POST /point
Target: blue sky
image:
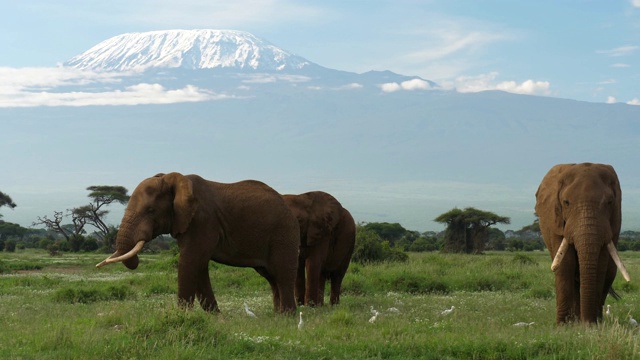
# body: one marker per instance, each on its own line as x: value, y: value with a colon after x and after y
x: 584, y: 50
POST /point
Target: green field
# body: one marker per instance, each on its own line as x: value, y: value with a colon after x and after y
x: 64, y: 308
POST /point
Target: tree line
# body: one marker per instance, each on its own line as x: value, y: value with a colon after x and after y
x: 466, y: 230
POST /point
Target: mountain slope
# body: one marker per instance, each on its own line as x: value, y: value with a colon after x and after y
x: 188, y: 49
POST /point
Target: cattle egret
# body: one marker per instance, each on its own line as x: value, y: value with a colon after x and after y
x: 301, y: 322
x: 632, y: 321
x: 523, y: 324
x: 448, y: 311
x: 608, y: 312
x: 374, y: 317
x: 393, y: 310
x: 372, y: 310
x: 248, y: 311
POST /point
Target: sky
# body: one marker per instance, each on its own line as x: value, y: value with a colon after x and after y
x: 581, y: 50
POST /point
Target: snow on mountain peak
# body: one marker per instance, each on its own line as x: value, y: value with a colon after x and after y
x: 188, y: 49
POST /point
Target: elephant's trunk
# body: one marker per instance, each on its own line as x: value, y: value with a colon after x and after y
x: 590, y: 239
x: 126, y: 247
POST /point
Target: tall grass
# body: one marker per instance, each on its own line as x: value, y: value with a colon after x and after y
x: 70, y: 310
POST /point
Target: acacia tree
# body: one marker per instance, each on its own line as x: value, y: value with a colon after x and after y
x: 94, y: 213
x: 55, y: 224
x: 467, y: 230
x: 455, y: 236
x: 5, y: 200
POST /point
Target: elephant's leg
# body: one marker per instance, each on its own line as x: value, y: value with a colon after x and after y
x: 321, y: 285
x: 336, y: 286
x: 274, y: 287
x: 204, y: 293
x: 313, y: 269
x: 567, y: 289
x: 190, y: 280
x: 300, y: 281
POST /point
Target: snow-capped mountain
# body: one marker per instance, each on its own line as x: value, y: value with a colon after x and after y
x: 187, y: 49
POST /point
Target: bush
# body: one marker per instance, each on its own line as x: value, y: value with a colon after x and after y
x: 371, y: 248
x: 10, y: 246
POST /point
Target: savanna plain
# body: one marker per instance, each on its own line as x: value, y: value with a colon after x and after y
x: 62, y: 307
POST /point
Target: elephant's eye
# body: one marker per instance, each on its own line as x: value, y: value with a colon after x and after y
x: 150, y: 210
x: 566, y: 202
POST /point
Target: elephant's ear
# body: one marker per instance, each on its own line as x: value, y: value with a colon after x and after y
x: 185, y: 203
x: 616, y: 214
x: 548, y: 203
x: 324, y: 216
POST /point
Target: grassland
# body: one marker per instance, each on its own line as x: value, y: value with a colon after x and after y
x: 64, y: 308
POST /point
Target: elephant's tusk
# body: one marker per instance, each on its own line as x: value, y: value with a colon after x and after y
x: 614, y: 254
x: 133, y: 252
x: 560, y: 254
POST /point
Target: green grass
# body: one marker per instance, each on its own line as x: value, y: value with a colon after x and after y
x: 65, y: 308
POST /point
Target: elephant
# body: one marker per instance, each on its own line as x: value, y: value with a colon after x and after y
x: 327, y: 240
x: 244, y: 224
x: 579, y: 209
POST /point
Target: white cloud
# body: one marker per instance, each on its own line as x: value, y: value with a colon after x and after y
x: 391, y: 87
x: 620, y: 65
x: 488, y: 81
x: 29, y: 87
x: 635, y: 3
x: 413, y: 84
x: 351, y: 86
x: 635, y: 101
x: 620, y: 51
x: 611, y: 100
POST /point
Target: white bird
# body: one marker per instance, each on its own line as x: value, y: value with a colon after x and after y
x: 301, y: 322
x: 393, y: 310
x: 448, y: 311
x: 374, y: 317
x: 608, y: 312
x: 248, y: 311
x: 372, y: 310
x: 523, y: 324
x: 632, y: 321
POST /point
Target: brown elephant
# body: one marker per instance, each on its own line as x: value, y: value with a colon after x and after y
x: 245, y: 224
x: 327, y: 239
x: 579, y: 210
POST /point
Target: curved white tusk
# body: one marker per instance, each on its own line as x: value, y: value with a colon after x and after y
x: 560, y: 254
x: 614, y: 254
x: 133, y: 252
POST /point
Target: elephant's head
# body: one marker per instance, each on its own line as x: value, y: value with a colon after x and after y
x: 580, y: 204
x: 161, y: 204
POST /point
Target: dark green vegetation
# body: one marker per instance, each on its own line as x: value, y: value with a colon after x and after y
x: 63, y: 308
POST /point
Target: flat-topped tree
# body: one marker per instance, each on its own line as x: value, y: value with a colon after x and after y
x: 467, y: 230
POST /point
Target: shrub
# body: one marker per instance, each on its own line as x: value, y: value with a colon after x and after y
x: 10, y: 246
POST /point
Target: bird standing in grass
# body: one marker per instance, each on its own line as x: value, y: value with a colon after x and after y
x: 632, y: 321
x: 608, y: 312
x: 448, y: 311
x: 301, y: 322
x: 374, y: 317
x: 523, y: 324
x: 248, y: 311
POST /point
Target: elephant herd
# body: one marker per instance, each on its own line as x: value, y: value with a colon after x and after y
x: 298, y: 242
